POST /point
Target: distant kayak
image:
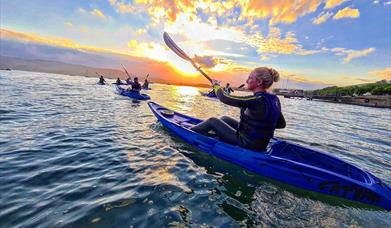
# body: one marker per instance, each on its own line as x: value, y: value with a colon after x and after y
x: 211, y: 95
x: 115, y: 83
x: 101, y: 83
x: 286, y: 162
x: 131, y: 94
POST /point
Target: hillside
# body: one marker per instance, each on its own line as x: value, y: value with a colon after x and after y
x: 382, y: 87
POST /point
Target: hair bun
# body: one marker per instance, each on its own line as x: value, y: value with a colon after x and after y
x: 274, y: 74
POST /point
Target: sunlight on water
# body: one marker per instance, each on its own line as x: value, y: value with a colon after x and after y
x: 186, y: 91
x: 184, y: 97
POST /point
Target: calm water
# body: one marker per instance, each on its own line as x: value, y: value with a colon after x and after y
x: 75, y: 153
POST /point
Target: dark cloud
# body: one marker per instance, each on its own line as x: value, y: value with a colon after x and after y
x: 206, y: 61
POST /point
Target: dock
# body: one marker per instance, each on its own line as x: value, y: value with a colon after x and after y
x: 369, y: 101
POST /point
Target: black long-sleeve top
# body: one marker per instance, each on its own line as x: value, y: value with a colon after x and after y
x: 255, y: 107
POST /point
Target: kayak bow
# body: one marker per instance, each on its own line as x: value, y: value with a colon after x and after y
x: 286, y: 162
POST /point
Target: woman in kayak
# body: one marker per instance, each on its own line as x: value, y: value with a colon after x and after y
x: 146, y: 84
x: 260, y: 113
x: 101, y: 80
x: 136, y: 87
x: 119, y: 82
x: 228, y: 89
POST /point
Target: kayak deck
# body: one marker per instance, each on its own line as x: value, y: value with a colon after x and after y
x: 286, y: 162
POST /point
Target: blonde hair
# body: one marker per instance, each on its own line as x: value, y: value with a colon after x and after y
x: 267, y: 76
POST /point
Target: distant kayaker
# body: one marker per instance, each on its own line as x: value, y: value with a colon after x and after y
x: 129, y: 80
x: 228, y: 89
x: 260, y: 113
x: 136, y: 87
x: 119, y: 82
x: 101, y: 80
x: 146, y: 84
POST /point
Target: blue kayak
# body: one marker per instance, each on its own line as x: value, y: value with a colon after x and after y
x: 131, y: 94
x: 286, y: 162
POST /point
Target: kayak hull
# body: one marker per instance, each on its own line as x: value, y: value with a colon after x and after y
x: 134, y: 95
x: 286, y: 162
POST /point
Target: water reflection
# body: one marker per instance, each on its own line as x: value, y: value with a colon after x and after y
x: 156, y: 170
x: 185, y: 97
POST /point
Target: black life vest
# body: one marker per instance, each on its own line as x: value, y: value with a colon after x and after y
x: 254, y: 127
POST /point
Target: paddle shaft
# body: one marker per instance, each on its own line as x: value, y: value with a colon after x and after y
x: 126, y: 71
x: 175, y: 48
x: 201, y: 71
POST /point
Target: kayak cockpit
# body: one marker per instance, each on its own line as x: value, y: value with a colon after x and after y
x: 292, y: 152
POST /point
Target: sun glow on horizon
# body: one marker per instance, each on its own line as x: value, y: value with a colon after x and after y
x: 185, y: 69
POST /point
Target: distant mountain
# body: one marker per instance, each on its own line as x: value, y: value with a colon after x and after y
x: 56, y: 67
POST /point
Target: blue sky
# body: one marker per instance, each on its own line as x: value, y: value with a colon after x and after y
x: 324, y: 42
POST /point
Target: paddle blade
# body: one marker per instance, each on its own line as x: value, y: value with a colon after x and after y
x: 172, y: 45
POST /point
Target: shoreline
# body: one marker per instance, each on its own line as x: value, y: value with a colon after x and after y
x: 365, y: 101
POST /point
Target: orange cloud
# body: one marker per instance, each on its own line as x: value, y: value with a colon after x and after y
x: 333, y: 3
x: 94, y: 12
x: 347, y: 12
x: 352, y: 54
x: 121, y: 7
x: 381, y: 74
x: 141, y: 31
x: 167, y: 9
x: 323, y: 17
x: 281, y: 11
x: 98, y: 13
x: 275, y: 44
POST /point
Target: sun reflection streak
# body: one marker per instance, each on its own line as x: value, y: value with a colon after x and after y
x: 153, y: 175
x: 185, y: 97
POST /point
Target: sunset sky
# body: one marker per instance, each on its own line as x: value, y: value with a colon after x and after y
x: 329, y: 42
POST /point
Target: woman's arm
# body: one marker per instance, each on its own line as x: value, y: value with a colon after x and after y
x: 232, y: 100
x: 281, y: 122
